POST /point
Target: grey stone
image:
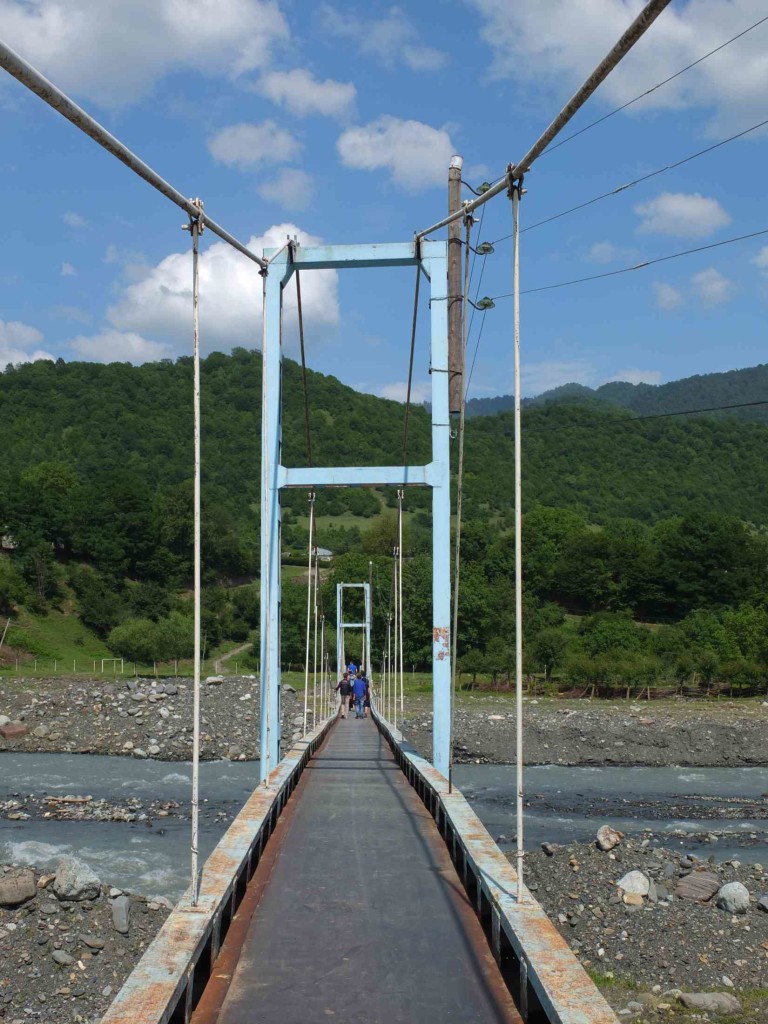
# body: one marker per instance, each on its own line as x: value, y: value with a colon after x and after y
x: 138, y: 752
x: 17, y: 887
x: 635, y: 882
x: 699, y: 885
x: 171, y: 689
x: 4, y: 719
x: 608, y: 837
x: 63, y: 958
x: 40, y: 732
x: 711, y: 1002
x: 287, y: 688
x: 733, y: 898
x: 762, y: 903
x: 92, y: 942
x: 76, y: 881
x: 121, y: 912
x: 153, y: 749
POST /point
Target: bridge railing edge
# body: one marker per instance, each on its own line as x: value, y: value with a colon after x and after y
x: 546, y: 980
x: 166, y: 984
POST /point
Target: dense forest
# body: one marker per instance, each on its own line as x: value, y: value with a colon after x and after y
x: 703, y: 391
x: 645, y: 544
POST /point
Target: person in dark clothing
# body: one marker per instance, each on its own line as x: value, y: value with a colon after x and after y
x: 367, y: 700
x: 359, y: 690
x: 344, y: 689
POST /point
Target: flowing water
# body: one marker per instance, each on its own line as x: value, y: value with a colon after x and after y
x: 566, y: 804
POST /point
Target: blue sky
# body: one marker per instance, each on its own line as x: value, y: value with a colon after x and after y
x: 337, y: 121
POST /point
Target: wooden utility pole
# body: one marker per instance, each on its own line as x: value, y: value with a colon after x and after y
x: 455, y: 355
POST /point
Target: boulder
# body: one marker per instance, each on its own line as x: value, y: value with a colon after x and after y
x: 608, y: 837
x: 4, y: 719
x: 17, y: 887
x: 762, y: 903
x: 214, y: 680
x: 76, y: 881
x: 13, y: 730
x: 699, y: 885
x: 711, y: 1002
x: 635, y: 882
x: 121, y: 911
x: 733, y: 898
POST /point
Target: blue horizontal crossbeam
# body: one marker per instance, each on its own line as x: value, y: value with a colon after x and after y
x: 355, y: 476
x: 340, y: 257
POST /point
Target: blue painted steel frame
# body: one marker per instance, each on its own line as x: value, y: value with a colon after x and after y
x: 341, y: 625
x: 432, y: 258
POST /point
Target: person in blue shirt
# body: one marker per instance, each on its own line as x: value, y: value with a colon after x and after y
x: 352, y: 669
x: 359, y: 687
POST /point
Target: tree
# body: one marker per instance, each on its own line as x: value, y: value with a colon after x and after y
x: 547, y: 649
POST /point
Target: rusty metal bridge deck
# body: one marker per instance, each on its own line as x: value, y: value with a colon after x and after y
x: 356, y: 912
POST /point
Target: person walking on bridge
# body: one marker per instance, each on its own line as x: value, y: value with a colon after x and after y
x: 344, y: 689
x: 359, y: 687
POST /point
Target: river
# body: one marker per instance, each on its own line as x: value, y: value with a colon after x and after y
x: 565, y: 804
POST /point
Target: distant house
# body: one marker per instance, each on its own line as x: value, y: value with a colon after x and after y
x: 324, y: 554
x: 7, y: 543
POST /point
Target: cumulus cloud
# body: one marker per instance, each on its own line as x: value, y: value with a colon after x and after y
x: 685, y: 215
x: 712, y: 287
x: 292, y: 189
x: 558, y: 42
x: 110, y: 346
x: 398, y: 391
x: 391, y: 40
x: 67, y: 270
x: 666, y: 296
x: 19, y: 343
x: 114, y: 53
x: 303, y: 94
x: 245, y: 146
x: 761, y: 261
x: 73, y: 220
x: 160, y: 305
x: 415, y: 154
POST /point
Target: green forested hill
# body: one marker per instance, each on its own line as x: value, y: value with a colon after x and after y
x: 699, y: 392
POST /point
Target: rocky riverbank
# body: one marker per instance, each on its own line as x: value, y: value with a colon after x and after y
x: 719, y: 734
x: 67, y: 943
x: 139, y: 717
x: 654, y: 927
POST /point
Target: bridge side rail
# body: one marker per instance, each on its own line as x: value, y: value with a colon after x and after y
x: 546, y: 980
x: 167, y: 982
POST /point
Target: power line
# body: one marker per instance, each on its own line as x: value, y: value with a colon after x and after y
x: 711, y: 408
x: 637, y: 181
x: 658, y: 85
x: 637, y: 266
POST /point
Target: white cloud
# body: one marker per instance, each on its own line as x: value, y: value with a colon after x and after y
x: 67, y: 270
x: 634, y: 376
x: 556, y: 43
x: 761, y: 260
x: 667, y: 297
x: 73, y: 220
x: 17, y: 343
x: 291, y: 188
x: 397, y: 391
x: 114, y: 53
x: 133, y: 264
x: 685, y: 215
x: 302, y: 94
x: 391, y: 40
x: 247, y: 145
x: 110, y: 346
x: 416, y: 155
x: 712, y: 287
x: 607, y: 252
x: 160, y: 305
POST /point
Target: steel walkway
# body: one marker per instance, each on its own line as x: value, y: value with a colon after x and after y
x: 355, y: 913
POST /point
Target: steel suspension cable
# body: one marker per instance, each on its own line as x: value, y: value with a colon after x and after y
x: 400, y: 589
x: 314, y: 658
x: 195, y: 228
x: 309, y: 605
x: 459, y: 495
x: 395, y: 641
x: 264, y: 665
x: 300, y: 312
x: 516, y: 191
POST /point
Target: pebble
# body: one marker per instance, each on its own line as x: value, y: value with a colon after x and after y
x: 62, y: 958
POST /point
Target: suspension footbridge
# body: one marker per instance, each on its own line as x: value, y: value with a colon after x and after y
x: 356, y: 883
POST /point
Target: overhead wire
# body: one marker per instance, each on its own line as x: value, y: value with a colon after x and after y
x: 711, y: 408
x: 648, y: 92
x: 637, y: 266
x: 637, y: 181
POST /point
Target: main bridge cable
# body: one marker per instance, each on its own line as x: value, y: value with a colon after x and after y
x: 638, y: 266
x: 636, y: 30
x: 29, y: 76
x: 636, y: 181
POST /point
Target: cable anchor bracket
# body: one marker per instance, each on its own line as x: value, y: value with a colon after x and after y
x: 198, y: 221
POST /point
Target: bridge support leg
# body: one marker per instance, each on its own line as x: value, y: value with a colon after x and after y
x: 271, y: 436
x: 441, y: 520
